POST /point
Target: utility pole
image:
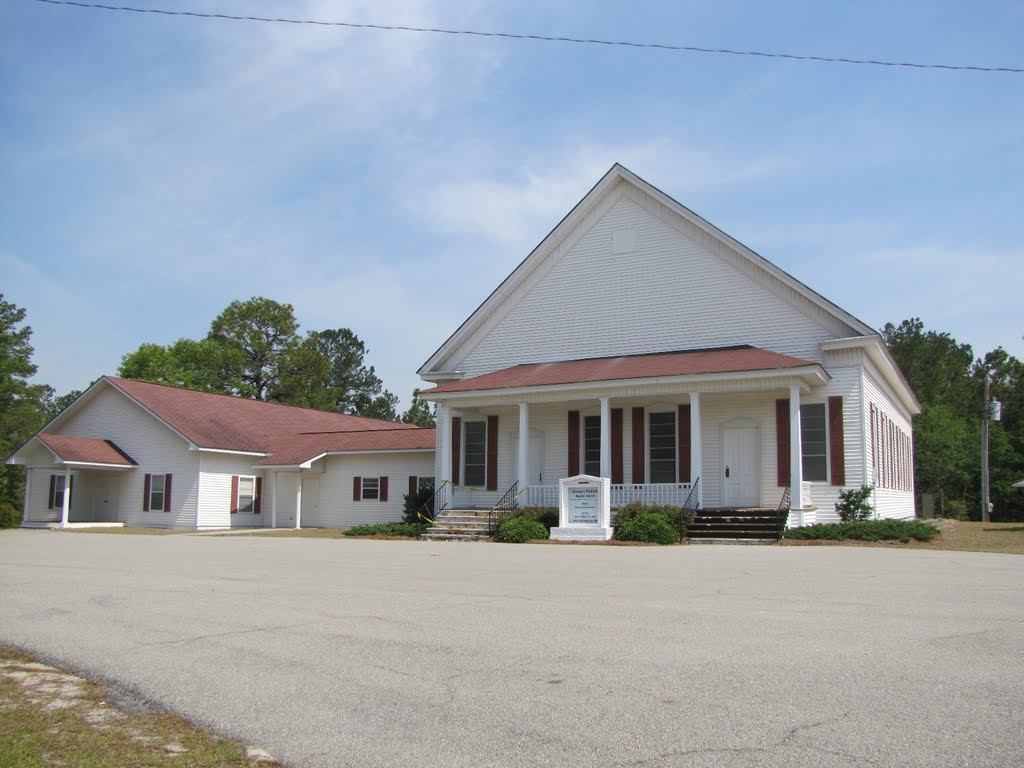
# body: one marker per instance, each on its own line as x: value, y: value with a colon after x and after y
x: 984, y: 453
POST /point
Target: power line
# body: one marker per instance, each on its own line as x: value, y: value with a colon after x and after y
x: 541, y: 38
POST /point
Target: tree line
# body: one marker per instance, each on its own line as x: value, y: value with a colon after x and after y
x: 254, y: 349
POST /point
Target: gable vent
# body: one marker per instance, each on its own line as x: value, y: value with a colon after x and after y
x: 624, y: 241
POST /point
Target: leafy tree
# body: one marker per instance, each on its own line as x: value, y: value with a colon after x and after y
x: 21, y: 403
x: 383, y: 406
x: 420, y: 413
x: 354, y: 387
x: 937, y: 367
x: 53, y: 405
x: 265, y: 334
x: 206, y: 365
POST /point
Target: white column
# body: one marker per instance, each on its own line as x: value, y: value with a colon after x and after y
x: 796, y: 464
x: 298, y: 500
x: 28, y: 496
x: 524, y: 446
x: 696, y: 446
x: 444, y: 443
x: 65, y: 511
x: 273, y: 499
x: 606, y: 437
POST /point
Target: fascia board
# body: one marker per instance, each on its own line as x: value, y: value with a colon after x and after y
x: 813, y: 371
x: 308, y: 463
x: 880, y: 355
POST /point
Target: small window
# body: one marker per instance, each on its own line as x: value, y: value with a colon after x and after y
x: 663, y: 447
x: 246, y: 495
x: 426, y: 484
x: 814, y: 442
x: 157, y: 489
x: 475, y: 453
x: 371, y: 488
x: 592, y: 445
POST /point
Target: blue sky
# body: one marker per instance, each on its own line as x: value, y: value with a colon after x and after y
x: 155, y: 168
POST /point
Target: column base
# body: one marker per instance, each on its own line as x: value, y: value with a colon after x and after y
x: 581, y: 533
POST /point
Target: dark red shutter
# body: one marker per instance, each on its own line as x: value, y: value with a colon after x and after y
x: 145, y: 493
x: 357, y: 488
x: 53, y: 491
x: 782, y: 441
x: 492, y: 453
x: 617, y: 445
x: 456, y: 448
x: 574, y: 443
x: 257, y: 503
x: 414, y: 487
x: 638, y: 445
x: 167, y: 493
x: 683, y: 438
x: 383, y: 495
x: 234, y: 494
x: 837, y: 446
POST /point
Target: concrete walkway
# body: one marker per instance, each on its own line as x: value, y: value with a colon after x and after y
x: 370, y: 653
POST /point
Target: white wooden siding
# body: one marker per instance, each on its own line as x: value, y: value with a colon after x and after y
x: 337, y: 507
x: 109, y: 415
x: 216, y: 472
x: 888, y: 502
x: 596, y: 303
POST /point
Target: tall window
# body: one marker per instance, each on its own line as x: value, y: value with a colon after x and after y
x: 663, y: 447
x: 371, y: 488
x: 475, y: 452
x: 58, y: 491
x: 814, y: 442
x: 157, y: 491
x: 246, y: 495
x: 592, y: 445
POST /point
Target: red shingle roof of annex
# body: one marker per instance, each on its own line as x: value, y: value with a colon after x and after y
x: 659, y: 364
x: 290, y: 434
x: 86, y: 450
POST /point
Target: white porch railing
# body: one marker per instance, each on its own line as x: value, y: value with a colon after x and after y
x: 673, y: 494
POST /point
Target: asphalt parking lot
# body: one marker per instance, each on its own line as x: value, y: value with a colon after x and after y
x: 373, y: 653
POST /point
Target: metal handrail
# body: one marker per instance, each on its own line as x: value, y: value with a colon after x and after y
x: 429, y: 507
x: 692, y: 503
x: 502, y: 509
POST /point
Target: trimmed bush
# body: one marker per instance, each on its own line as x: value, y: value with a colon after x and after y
x: 855, y: 504
x: 866, y: 530
x: 680, y: 519
x: 412, y: 530
x: 547, y: 516
x: 10, y: 516
x: 647, y: 526
x: 413, y: 503
x: 521, y: 528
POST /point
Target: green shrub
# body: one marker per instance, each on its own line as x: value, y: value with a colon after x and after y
x: 387, y: 529
x: 647, y: 526
x: 680, y: 519
x: 855, y: 504
x: 516, y: 530
x: 866, y: 530
x: 10, y: 516
x: 547, y: 516
x: 414, y: 503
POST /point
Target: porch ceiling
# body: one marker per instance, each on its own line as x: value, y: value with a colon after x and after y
x: 691, y: 368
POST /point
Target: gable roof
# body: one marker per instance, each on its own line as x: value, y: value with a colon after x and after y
x: 231, y: 423
x: 663, y: 364
x: 71, y: 449
x: 435, y: 364
x: 294, y: 450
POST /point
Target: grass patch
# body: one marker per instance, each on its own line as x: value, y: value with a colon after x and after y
x: 866, y: 530
x: 49, y: 717
x: 954, y: 536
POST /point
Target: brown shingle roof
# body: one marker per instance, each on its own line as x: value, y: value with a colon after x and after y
x: 86, y: 450
x: 239, y: 424
x: 706, y: 361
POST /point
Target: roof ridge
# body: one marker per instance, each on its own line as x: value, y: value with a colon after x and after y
x: 404, y: 428
x: 727, y: 348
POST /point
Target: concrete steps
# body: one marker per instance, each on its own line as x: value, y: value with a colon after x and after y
x: 459, y: 525
x: 753, y: 526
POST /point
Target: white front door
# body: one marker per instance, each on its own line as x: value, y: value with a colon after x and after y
x: 536, y: 458
x: 740, y: 467
x: 105, y: 497
x: 310, y: 502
